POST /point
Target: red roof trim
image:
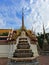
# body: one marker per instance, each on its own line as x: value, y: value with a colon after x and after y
x: 3, y: 40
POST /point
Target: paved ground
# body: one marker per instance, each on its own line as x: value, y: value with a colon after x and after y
x: 3, y: 61
x: 44, y: 60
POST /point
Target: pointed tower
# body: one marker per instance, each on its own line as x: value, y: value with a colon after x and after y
x: 33, y: 30
x: 22, y: 20
x: 44, y: 31
x: 45, y: 43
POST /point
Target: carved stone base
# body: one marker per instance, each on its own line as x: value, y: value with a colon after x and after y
x: 33, y: 62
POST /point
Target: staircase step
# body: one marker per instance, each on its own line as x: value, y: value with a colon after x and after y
x: 23, y: 59
x: 23, y: 50
x: 22, y: 55
x: 23, y: 47
x: 23, y: 44
x: 22, y: 41
x: 22, y: 38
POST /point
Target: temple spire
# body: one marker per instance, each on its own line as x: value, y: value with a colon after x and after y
x: 45, y: 43
x: 22, y: 19
x: 43, y: 30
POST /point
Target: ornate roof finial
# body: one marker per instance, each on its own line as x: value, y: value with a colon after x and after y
x: 22, y: 19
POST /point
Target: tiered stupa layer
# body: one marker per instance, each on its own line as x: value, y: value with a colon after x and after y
x: 23, y: 49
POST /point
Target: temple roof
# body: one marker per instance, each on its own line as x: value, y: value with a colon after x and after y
x: 15, y: 34
x: 28, y: 33
x: 5, y: 30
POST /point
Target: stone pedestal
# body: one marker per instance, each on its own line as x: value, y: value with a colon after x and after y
x: 33, y: 62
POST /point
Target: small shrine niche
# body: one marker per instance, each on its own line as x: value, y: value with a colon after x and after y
x: 23, y: 34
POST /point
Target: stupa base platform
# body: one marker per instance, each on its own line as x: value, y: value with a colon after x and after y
x: 45, y: 53
x: 23, y: 61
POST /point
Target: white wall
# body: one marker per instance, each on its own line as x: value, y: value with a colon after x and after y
x: 4, y: 50
x: 34, y: 49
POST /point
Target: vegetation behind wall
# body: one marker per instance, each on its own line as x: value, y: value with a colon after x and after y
x: 4, y: 34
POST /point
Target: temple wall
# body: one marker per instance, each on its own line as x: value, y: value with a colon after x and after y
x: 6, y: 50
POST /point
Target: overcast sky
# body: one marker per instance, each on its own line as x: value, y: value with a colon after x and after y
x: 36, y: 12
